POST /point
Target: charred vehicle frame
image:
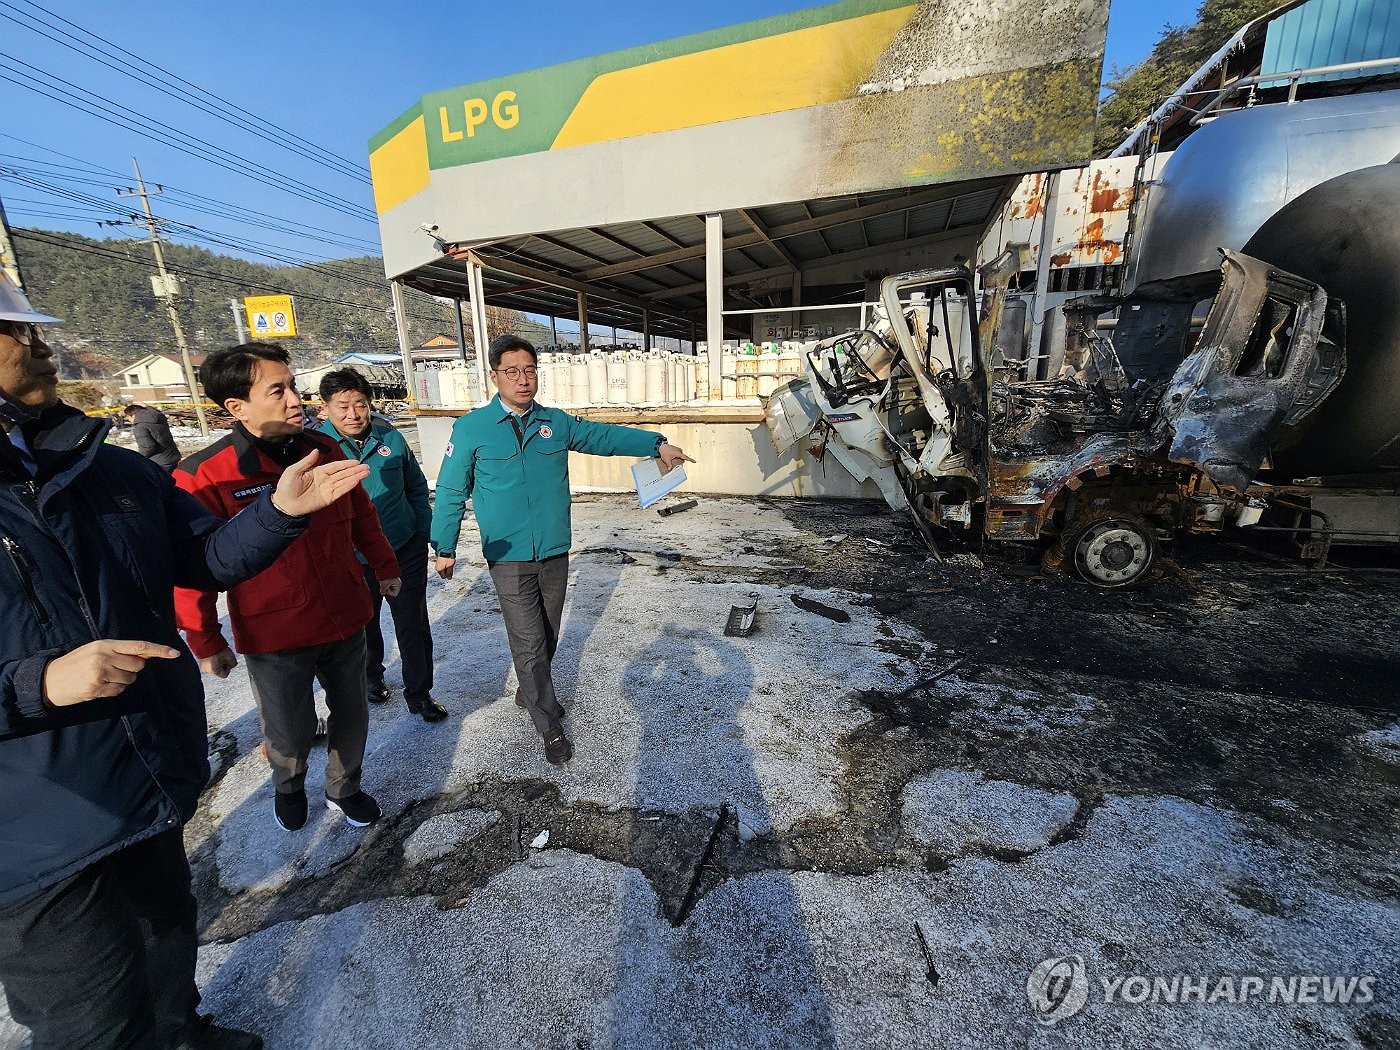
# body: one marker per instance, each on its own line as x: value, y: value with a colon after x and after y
x: 1154, y: 424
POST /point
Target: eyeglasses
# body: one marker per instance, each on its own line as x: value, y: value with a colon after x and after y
x: 512, y: 373
x: 23, y: 332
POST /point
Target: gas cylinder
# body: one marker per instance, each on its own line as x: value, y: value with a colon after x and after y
x: 578, y: 367
x: 658, y: 378
x: 544, y: 370
x: 636, y: 366
x: 617, y: 378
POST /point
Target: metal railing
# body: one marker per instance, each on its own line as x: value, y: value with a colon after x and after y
x: 1212, y: 107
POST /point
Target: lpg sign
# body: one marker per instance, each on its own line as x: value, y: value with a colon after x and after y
x: 503, y: 111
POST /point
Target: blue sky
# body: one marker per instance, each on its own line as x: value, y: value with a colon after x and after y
x: 330, y: 74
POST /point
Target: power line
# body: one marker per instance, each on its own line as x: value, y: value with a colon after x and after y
x: 90, y: 167
x: 225, y: 212
x: 194, y: 233
x: 184, y: 142
x: 190, y: 271
x: 180, y: 89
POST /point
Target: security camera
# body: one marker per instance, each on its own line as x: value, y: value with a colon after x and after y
x: 431, y: 230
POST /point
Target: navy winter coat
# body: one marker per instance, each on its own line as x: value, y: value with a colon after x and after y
x: 91, y: 548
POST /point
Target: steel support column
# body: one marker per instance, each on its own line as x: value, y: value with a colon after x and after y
x: 714, y: 294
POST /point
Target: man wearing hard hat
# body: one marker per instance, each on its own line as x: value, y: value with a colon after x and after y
x: 103, y: 749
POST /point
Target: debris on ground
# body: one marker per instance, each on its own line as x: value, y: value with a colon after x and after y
x: 933, y: 977
x: 821, y: 609
x: 743, y: 617
x: 677, y: 508
x: 1091, y: 781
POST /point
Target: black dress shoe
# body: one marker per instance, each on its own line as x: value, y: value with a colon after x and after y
x: 377, y: 692
x: 430, y: 710
x: 557, y: 749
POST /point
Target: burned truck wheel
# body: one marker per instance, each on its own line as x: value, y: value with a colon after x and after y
x: 1112, y: 552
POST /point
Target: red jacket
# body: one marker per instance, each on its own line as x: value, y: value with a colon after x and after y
x: 315, y: 592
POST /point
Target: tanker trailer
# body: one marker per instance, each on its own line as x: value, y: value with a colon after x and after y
x: 1338, y: 471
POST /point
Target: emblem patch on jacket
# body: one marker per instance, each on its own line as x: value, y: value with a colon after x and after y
x: 447, y: 452
x: 546, y: 431
x: 384, y: 450
x: 253, y: 491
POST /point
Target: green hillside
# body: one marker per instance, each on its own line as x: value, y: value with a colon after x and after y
x: 1133, y: 93
x: 102, y: 290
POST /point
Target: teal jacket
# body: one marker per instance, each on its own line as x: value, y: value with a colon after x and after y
x: 518, y: 477
x: 396, y: 484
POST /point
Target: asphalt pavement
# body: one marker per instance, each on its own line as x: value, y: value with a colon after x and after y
x: 929, y: 803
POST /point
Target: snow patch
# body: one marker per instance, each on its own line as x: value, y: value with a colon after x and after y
x: 440, y: 835
x: 952, y: 810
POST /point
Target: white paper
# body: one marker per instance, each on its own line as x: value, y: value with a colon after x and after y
x: 541, y: 840
x: 651, y: 483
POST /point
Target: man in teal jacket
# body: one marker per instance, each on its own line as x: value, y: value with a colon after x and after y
x: 399, y: 492
x: 511, y: 459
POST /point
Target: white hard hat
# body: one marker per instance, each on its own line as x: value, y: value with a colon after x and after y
x: 15, y: 307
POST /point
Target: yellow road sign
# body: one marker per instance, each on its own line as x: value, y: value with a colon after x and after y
x: 270, y: 316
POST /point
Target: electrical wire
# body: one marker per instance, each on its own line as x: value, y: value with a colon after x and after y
x: 88, y: 167
x: 179, y: 88
x: 183, y: 270
x: 183, y: 142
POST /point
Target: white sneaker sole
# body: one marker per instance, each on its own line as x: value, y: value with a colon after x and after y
x: 278, y: 821
x: 333, y: 804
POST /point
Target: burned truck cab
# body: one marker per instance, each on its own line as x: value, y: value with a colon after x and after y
x: 1153, y: 423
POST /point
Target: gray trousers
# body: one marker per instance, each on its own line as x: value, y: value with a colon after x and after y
x: 283, y: 689
x: 532, y: 602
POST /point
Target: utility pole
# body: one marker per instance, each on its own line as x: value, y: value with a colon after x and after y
x: 167, y: 292
x: 237, y: 308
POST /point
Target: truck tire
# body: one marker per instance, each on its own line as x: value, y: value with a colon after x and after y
x: 1110, y: 550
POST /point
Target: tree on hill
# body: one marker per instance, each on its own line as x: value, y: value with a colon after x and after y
x: 102, y: 290
x: 1136, y: 91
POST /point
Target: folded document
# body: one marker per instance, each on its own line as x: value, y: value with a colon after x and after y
x: 653, y: 481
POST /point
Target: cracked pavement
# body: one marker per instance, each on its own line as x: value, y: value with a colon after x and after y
x: 1197, y: 778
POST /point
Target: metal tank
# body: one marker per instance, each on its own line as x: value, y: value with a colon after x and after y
x: 1225, y: 180
x: 1345, y: 235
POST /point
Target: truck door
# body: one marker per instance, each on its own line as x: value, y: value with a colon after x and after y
x: 1261, y: 363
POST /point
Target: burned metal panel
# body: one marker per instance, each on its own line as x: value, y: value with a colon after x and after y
x: 1258, y: 364
x: 1088, y: 214
x: 1153, y: 325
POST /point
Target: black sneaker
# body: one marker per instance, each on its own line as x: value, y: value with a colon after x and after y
x: 360, y: 809
x: 430, y: 710
x: 377, y: 692
x: 204, y: 1034
x: 557, y: 748
x: 290, y: 810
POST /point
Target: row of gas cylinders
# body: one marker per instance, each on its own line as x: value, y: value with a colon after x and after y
x: 624, y: 377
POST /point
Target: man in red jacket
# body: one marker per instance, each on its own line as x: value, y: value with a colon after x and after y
x: 303, y: 619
